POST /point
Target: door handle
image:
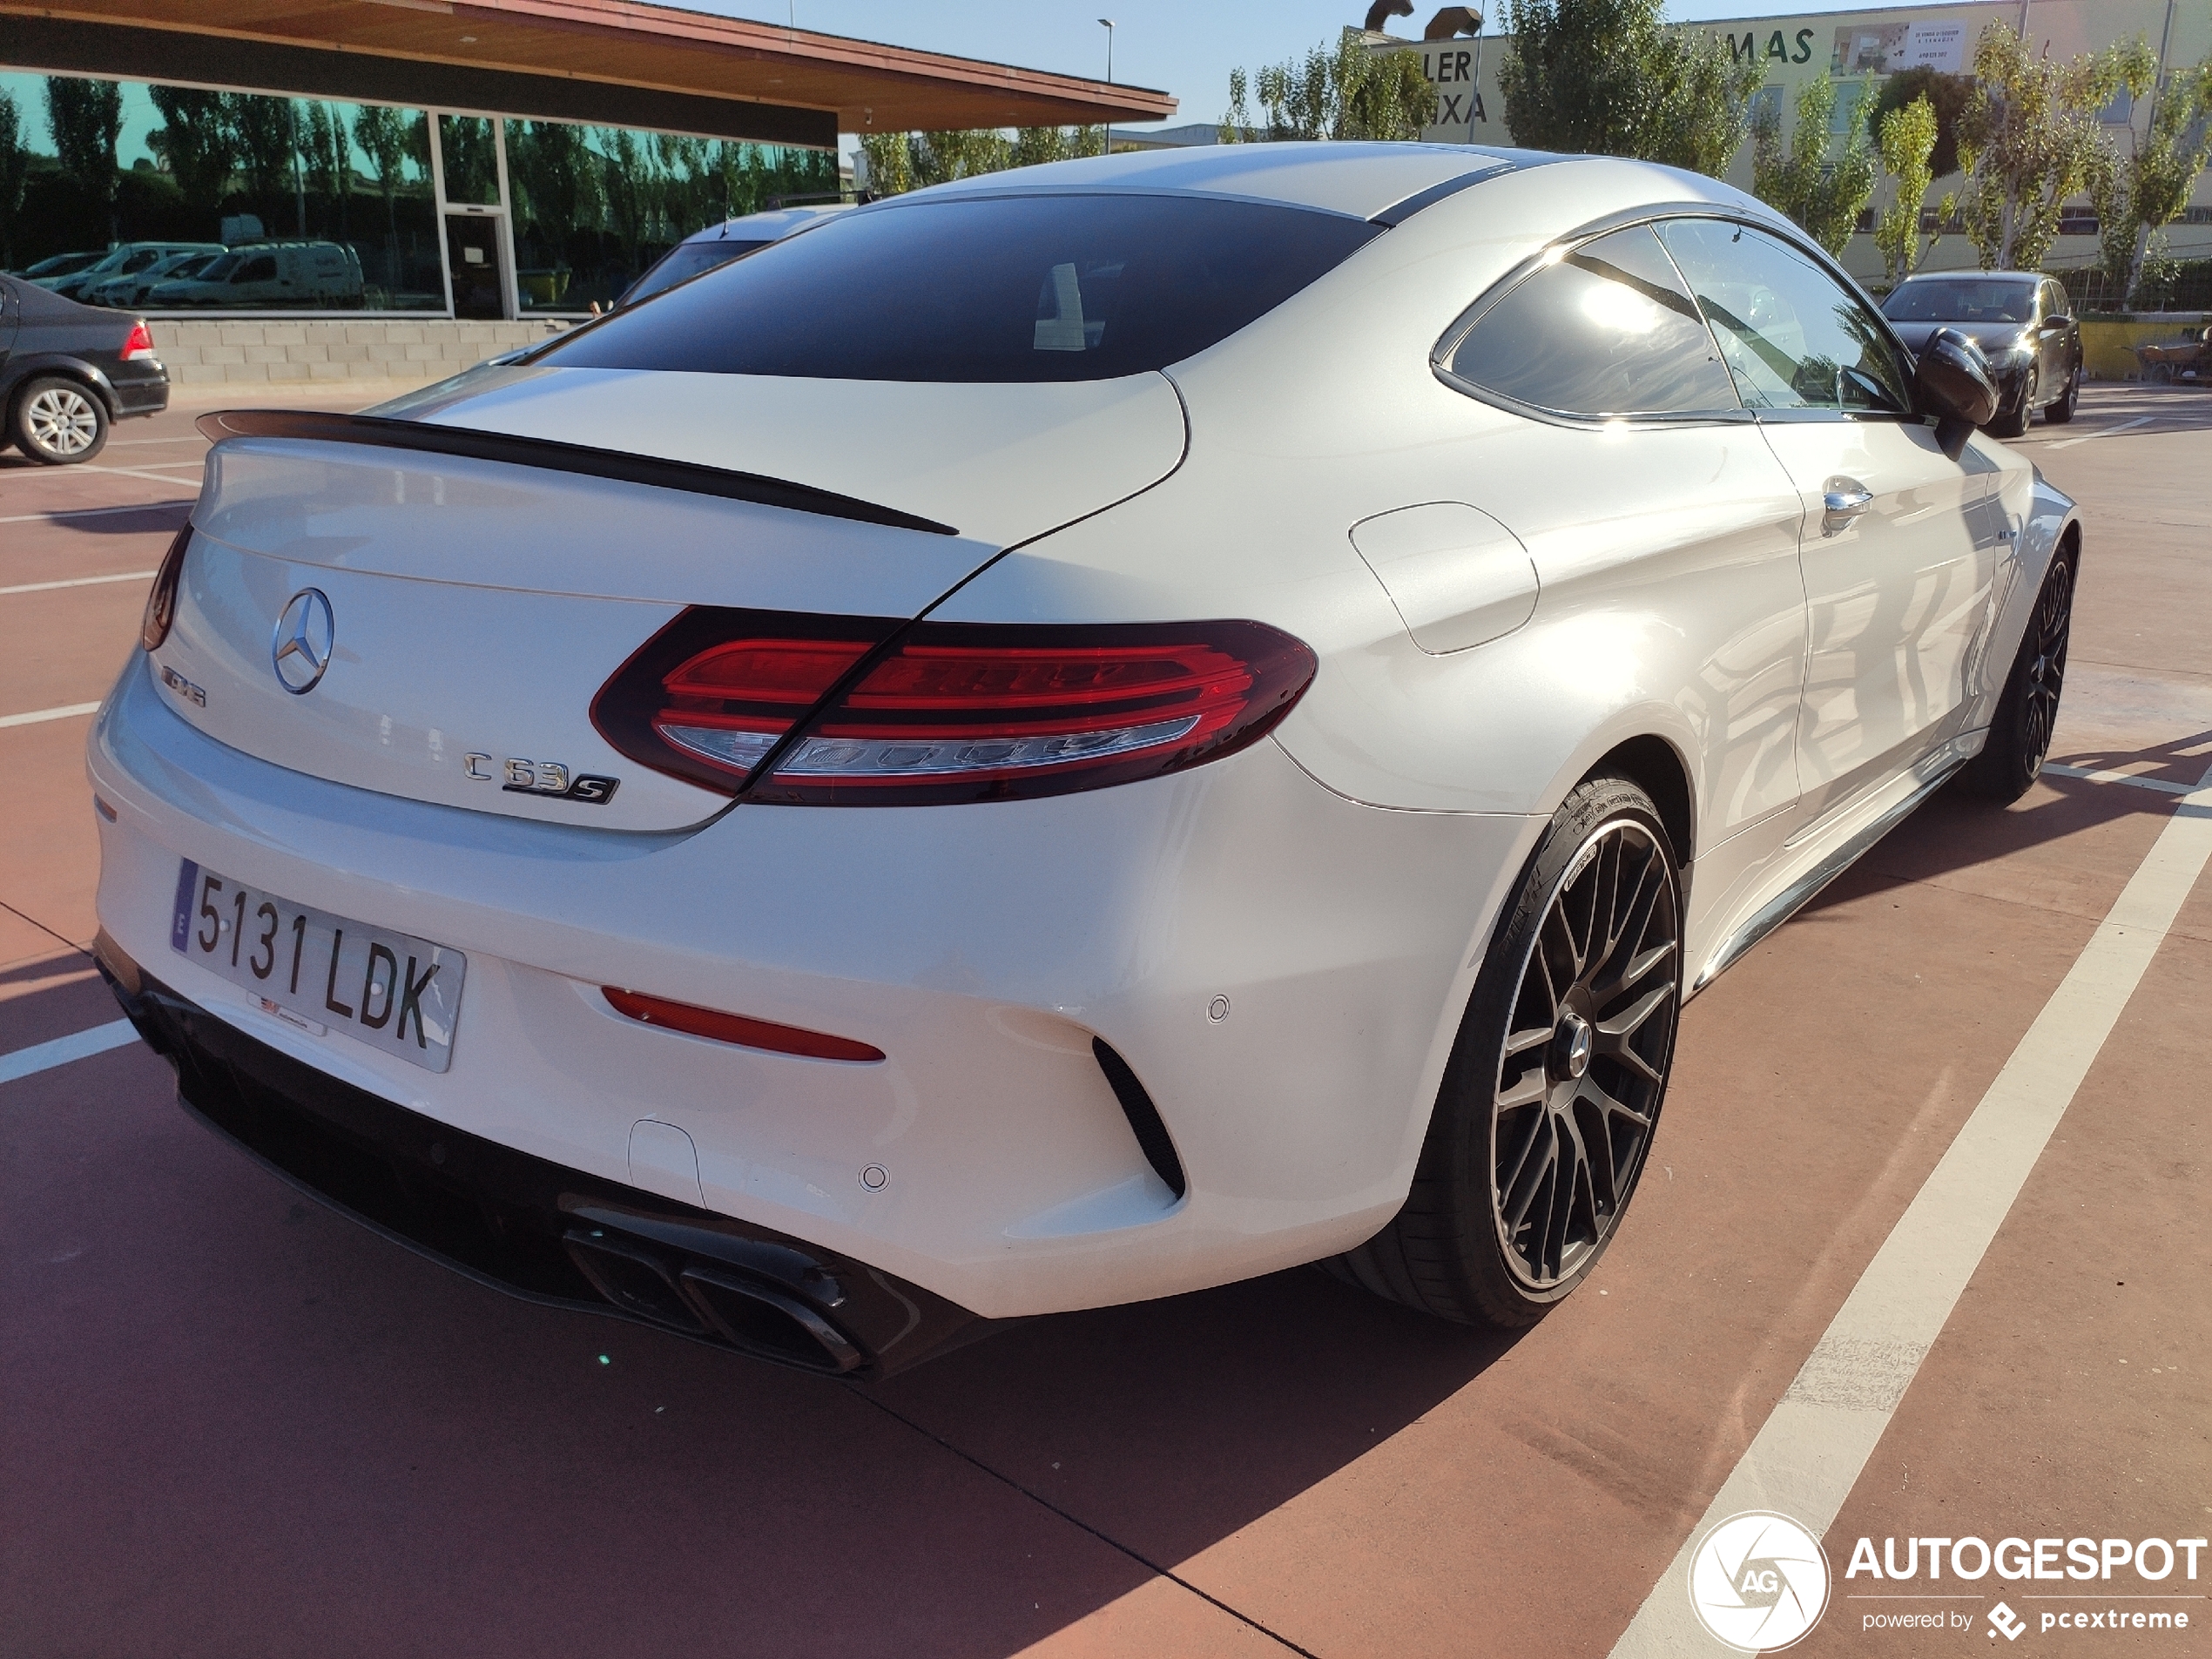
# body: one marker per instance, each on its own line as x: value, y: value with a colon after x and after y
x: 1843, y: 499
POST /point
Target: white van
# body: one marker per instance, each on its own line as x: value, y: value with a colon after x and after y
x: 262, y: 274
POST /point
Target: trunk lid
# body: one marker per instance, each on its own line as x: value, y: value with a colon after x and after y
x: 475, y: 606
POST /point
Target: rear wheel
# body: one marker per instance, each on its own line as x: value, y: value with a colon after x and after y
x: 2062, y: 411
x: 59, y: 422
x: 2019, y: 736
x: 1555, y: 1082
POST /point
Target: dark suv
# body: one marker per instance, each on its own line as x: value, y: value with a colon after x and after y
x: 2021, y: 321
x: 68, y: 372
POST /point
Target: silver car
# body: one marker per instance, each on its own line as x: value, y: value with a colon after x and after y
x: 1325, y: 648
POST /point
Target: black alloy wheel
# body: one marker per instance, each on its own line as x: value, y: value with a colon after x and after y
x: 2027, y: 712
x: 2062, y: 411
x: 1554, y: 1086
x: 2013, y: 422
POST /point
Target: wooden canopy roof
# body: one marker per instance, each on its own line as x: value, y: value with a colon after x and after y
x: 654, y: 48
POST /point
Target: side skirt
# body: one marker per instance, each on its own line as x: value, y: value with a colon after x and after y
x: 1937, y: 771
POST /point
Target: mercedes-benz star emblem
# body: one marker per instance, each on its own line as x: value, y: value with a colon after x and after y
x: 301, y: 649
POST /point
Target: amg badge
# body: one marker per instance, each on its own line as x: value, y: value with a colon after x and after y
x: 540, y: 777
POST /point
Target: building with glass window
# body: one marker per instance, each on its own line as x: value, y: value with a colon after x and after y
x: 1861, y: 48
x: 427, y: 162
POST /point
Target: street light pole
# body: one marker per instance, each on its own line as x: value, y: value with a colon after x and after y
x: 1107, y: 24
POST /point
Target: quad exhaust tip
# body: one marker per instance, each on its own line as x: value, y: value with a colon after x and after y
x: 712, y: 1300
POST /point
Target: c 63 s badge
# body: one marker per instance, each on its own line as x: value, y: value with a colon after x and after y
x: 551, y: 778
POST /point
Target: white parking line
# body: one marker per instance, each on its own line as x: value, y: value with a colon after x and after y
x: 137, y: 472
x: 1805, y: 1460
x: 95, y: 512
x: 77, y: 582
x: 2081, y: 771
x: 44, y: 1056
x: 2091, y: 437
x: 38, y: 715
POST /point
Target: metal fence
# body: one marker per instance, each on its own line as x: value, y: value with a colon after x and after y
x: 2093, y: 290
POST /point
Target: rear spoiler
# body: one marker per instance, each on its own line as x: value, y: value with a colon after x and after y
x: 552, y: 455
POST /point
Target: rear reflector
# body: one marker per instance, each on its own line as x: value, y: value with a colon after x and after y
x: 139, y: 347
x: 735, y: 1028
x: 949, y: 711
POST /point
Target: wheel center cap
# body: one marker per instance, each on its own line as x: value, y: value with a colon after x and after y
x: 1571, y: 1048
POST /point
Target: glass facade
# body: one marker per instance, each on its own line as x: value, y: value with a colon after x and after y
x: 161, y: 190
x: 594, y: 207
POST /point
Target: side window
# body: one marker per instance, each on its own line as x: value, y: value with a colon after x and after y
x: 1606, y: 330
x: 2054, y: 303
x: 261, y: 270
x: 1793, y: 337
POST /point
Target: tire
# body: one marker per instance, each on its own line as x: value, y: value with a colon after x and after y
x: 2019, y: 736
x: 2012, y: 423
x: 2160, y: 374
x: 1549, y: 1094
x: 2062, y: 411
x: 59, y: 422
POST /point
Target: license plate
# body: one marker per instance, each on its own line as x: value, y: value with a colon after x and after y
x: 393, y: 991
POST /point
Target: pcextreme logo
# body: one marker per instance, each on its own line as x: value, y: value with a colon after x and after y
x: 1758, y: 1582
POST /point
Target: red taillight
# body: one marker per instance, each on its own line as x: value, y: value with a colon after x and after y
x: 949, y: 711
x: 161, y: 602
x: 141, y: 345
x: 735, y: 1028
x: 711, y: 694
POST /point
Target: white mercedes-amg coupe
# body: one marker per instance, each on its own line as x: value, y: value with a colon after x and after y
x: 1062, y: 739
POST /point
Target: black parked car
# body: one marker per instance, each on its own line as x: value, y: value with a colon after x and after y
x: 2023, y: 325
x: 68, y: 372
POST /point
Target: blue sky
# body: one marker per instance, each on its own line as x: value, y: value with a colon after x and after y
x: 1186, y: 47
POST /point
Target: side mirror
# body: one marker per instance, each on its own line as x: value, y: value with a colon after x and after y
x: 1953, y: 384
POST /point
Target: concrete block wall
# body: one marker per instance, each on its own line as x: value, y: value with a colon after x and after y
x: 267, y: 352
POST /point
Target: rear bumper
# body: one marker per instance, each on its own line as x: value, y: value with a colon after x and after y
x: 1279, y: 969
x: 139, y: 394
x: 533, y: 1228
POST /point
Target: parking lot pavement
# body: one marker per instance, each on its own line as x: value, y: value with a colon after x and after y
x: 234, y: 1422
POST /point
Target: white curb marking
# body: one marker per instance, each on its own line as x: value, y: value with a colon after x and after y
x: 2091, y: 437
x: 78, y: 582
x: 37, y: 715
x: 1805, y: 1460
x: 44, y: 1056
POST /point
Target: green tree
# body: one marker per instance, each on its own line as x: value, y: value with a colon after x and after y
x: 86, y: 118
x: 2137, y: 198
x: 1609, y: 77
x: 200, y: 147
x: 898, y: 162
x: 266, y: 153
x: 1033, y: 145
x: 939, y: 158
x: 2030, y: 138
x: 1908, y: 137
x: 329, y: 152
x: 15, y: 167
x: 1947, y: 94
x: 1351, y: 92
x: 390, y: 139
x: 1822, y: 193
x: 885, y: 154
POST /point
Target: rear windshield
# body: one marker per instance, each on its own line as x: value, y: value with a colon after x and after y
x: 687, y: 260
x: 1961, y: 299
x: 998, y: 288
